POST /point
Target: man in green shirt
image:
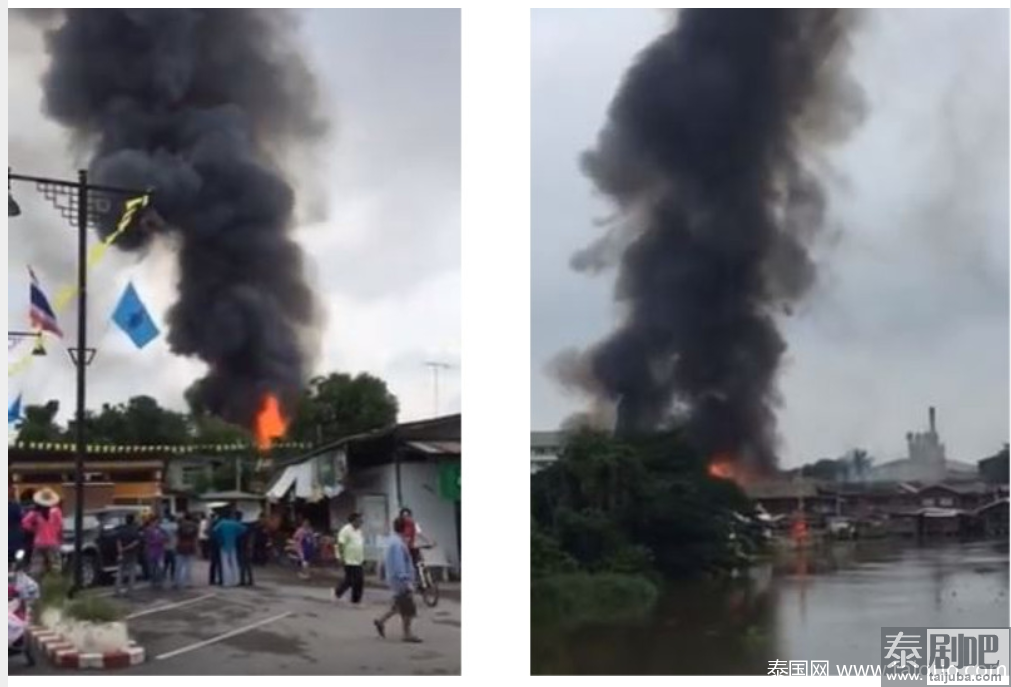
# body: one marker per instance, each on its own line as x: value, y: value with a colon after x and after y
x: 351, y: 548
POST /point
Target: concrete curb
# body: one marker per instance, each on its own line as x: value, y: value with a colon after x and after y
x: 62, y: 654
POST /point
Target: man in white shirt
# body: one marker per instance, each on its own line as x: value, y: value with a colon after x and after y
x: 204, y: 537
x: 351, y: 549
x: 171, y: 528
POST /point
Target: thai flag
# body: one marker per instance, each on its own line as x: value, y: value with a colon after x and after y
x: 41, y: 315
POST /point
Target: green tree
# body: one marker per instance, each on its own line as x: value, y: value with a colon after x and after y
x: 995, y: 468
x: 641, y: 506
x: 825, y: 469
x: 330, y: 409
x: 39, y: 423
x: 213, y: 431
x: 341, y: 405
x: 140, y: 421
x: 862, y: 462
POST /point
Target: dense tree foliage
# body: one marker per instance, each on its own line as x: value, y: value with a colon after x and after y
x: 995, y: 468
x: 855, y: 466
x: 330, y: 409
x: 39, y: 423
x: 646, y: 507
x: 342, y: 405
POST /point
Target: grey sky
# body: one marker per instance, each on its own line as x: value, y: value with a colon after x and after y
x: 385, y: 256
x: 912, y: 307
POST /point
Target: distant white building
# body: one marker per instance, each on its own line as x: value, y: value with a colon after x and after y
x: 545, y: 448
x: 927, y: 461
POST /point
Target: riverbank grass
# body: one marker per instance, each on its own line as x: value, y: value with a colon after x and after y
x: 584, y: 599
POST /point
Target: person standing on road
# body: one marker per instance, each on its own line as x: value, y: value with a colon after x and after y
x: 205, y: 537
x: 171, y: 528
x: 401, y: 579
x: 304, y: 541
x: 127, y: 555
x: 214, y: 551
x: 228, y: 531
x: 246, y: 548
x: 260, y: 540
x: 186, y: 551
x: 351, y: 550
x: 155, y: 546
x: 46, y: 524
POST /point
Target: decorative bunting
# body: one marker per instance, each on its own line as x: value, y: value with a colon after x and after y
x: 134, y: 450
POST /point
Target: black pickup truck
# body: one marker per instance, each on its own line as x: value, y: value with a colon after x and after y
x: 101, y: 531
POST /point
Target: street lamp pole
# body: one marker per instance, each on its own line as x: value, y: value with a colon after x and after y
x: 82, y: 211
x: 14, y: 338
x: 82, y: 376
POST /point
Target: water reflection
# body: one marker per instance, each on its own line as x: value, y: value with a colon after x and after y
x: 805, y: 605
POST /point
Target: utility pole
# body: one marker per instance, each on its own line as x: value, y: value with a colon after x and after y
x: 84, y: 205
x: 437, y: 370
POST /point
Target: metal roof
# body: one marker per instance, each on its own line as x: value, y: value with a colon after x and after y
x: 547, y: 440
x: 126, y: 465
x: 438, y: 448
x: 231, y: 496
x: 782, y: 490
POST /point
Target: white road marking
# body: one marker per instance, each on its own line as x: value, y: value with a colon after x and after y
x: 170, y: 607
x: 112, y: 593
x: 216, y: 640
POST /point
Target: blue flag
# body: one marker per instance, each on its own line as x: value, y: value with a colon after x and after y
x: 134, y: 319
x: 14, y: 412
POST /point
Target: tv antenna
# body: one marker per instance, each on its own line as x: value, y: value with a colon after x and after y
x: 437, y: 369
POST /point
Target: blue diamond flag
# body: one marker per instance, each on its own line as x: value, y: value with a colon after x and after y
x: 134, y: 319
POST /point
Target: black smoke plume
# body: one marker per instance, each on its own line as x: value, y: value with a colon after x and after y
x: 706, y: 157
x: 199, y: 105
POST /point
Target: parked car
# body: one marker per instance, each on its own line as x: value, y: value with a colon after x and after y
x: 841, y: 528
x: 101, y: 531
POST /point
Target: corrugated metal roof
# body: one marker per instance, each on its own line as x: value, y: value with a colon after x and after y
x: 992, y: 504
x: 547, y: 440
x: 403, y: 432
x: 90, y: 465
x: 231, y: 496
x: 438, y: 448
x: 782, y: 490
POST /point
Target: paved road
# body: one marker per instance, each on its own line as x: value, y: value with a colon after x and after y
x: 282, y: 629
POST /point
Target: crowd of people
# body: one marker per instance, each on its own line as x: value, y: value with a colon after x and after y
x: 166, y: 547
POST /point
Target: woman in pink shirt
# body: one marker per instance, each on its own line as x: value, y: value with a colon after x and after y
x: 46, y: 524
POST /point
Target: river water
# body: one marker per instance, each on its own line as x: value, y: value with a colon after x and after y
x: 828, y: 605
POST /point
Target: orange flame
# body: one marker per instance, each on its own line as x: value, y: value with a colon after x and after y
x: 270, y: 423
x: 722, y: 468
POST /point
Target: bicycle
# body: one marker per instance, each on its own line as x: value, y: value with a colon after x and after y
x: 428, y: 588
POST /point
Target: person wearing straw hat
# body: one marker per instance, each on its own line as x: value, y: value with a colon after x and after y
x: 46, y: 525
